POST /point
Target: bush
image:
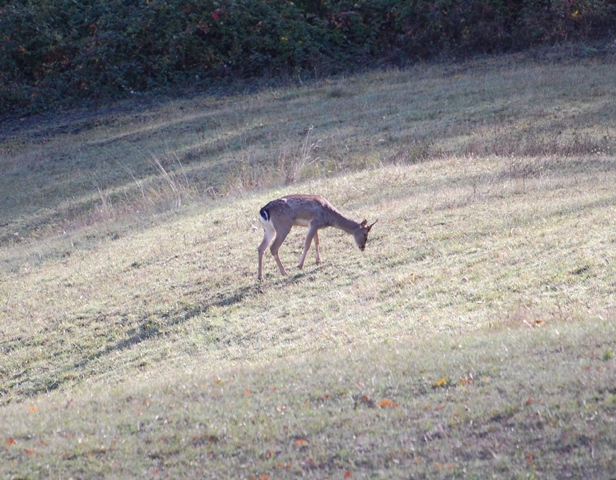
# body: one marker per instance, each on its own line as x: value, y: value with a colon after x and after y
x: 59, y: 52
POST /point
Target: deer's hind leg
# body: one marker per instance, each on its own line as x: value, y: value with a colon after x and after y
x: 268, y: 235
x: 281, y: 235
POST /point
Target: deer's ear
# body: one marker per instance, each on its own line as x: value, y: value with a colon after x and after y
x: 373, y: 224
x: 364, y: 223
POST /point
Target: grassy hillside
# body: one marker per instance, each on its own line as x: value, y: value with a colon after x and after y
x: 474, y: 336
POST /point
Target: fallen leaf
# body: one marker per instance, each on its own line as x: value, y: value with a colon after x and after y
x: 32, y: 409
x: 347, y: 474
x: 387, y: 403
x: 11, y: 441
x: 440, y: 382
x: 300, y: 442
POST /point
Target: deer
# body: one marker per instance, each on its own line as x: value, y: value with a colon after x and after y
x: 312, y: 211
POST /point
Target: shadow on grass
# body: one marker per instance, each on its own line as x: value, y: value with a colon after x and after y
x: 275, y: 279
x: 155, y: 325
x: 152, y: 326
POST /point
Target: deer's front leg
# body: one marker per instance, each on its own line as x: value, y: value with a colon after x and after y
x: 316, y: 245
x: 312, y: 233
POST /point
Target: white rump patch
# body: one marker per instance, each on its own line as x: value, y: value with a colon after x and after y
x: 268, y: 226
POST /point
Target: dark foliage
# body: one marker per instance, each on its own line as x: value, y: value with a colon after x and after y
x: 60, y: 52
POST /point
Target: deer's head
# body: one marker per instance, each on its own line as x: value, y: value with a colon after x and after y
x: 361, y: 234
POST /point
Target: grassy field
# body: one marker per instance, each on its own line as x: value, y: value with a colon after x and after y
x: 474, y: 337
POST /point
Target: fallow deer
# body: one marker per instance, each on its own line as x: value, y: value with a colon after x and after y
x: 312, y: 211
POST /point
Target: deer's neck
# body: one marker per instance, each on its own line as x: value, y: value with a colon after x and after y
x: 337, y: 220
